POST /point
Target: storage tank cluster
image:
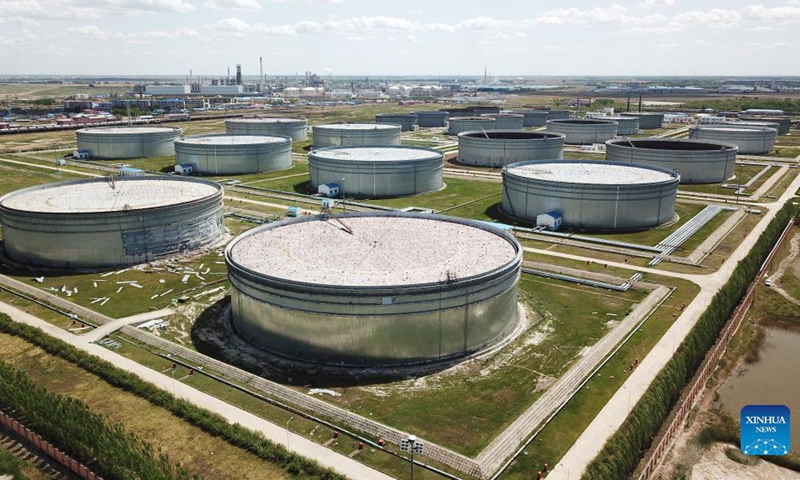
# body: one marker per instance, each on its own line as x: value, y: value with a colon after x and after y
x: 377, y: 172
x: 296, y: 128
x: 495, y: 148
x: 407, y: 121
x: 219, y: 154
x: 590, y: 195
x: 506, y: 121
x: 426, y: 288
x: 432, y: 118
x: 99, y: 223
x: 647, y: 120
x: 580, y: 131
x: 112, y: 143
x: 354, y: 134
x: 697, y: 161
x: 751, y: 140
x: 456, y: 125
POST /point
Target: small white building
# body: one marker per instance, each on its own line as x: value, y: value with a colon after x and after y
x: 184, y: 168
x: 549, y: 220
x: 167, y: 89
x: 329, y: 190
x: 131, y: 172
x: 81, y: 154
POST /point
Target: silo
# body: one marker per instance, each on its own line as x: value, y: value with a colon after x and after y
x: 584, y: 130
x: 457, y: 125
x: 506, y: 121
x: 218, y: 154
x: 405, y: 120
x: 625, y: 125
x: 296, y: 128
x: 533, y: 118
x: 590, y: 195
x: 354, y: 134
x: 377, y: 172
x: 785, y: 123
x: 750, y: 140
x: 374, y: 289
x: 494, y: 148
x: 104, y: 222
x: 111, y: 143
x: 432, y: 118
x: 697, y: 161
x: 647, y: 120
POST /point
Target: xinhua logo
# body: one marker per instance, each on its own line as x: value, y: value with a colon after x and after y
x: 765, y: 430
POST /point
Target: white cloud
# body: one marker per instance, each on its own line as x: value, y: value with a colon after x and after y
x: 766, y: 46
x: 93, y: 31
x: 657, y: 3
x: 509, y: 36
x: 693, y: 44
x: 413, y: 38
x: 246, y: 5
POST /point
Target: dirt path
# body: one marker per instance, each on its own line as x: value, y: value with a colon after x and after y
x: 715, y: 465
x: 794, y: 249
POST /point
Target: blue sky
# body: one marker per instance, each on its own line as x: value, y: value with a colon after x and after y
x: 355, y: 37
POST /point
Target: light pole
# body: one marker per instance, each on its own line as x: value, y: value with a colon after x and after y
x: 287, y: 431
x: 344, y: 198
x: 412, y: 446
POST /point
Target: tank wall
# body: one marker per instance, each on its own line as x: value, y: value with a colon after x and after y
x: 533, y: 118
x: 648, y: 121
x: 694, y: 166
x: 235, y: 159
x: 627, y: 125
x: 362, y: 328
x: 406, y: 122
x: 497, y: 152
x: 378, y: 179
x: 344, y: 138
x: 296, y: 130
x: 581, y: 134
x: 456, y: 126
x: 750, y: 142
x: 509, y: 123
x: 104, y: 240
x: 111, y: 146
x: 432, y: 119
x: 557, y: 114
x: 591, y: 207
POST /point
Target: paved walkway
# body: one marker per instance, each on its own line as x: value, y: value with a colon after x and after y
x: 298, y: 444
x: 111, y: 327
x: 46, y: 167
x: 591, y: 441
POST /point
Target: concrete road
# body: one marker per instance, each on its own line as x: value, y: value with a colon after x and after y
x: 297, y: 444
x: 591, y: 441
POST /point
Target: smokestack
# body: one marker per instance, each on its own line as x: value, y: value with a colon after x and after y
x: 228, y: 78
x: 238, y: 74
x: 485, y: 75
x: 261, y: 74
x: 640, y: 104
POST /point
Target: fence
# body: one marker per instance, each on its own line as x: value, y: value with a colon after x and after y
x: 70, y: 463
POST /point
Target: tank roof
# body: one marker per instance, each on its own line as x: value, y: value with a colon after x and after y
x: 128, y: 130
x: 234, y: 139
x: 382, y: 251
x: 377, y: 154
x: 359, y: 126
x: 589, y: 172
x: 97, y: 195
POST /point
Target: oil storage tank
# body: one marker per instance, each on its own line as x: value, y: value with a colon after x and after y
x: 432, y: 118
x: 110, y: 143
x: 352, y: 134
x: 697, y: 161
x: 377, y: 172
x: 495, y: 148
x: 374, y: 289
x: 750, y: 123
x: 296, y: 128
x: 557, y: 114
x: 456, y: 125
x: 405, y: 120
x: 218, y: 154
x: 590, y: 195
x: 626, y: 125
x: 507, y: 121
x: 784, y: 123
x: 750, y: 140
x: 533, y: 118
x: 584, y: 130
x: 104, y: 222
x: 647, y: 120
